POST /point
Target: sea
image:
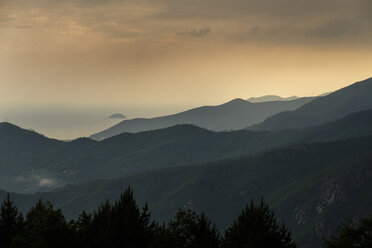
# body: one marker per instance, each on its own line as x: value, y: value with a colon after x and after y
x: 71, y: 122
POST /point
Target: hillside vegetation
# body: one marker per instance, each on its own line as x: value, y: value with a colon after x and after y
x: 31, y: 162
x: 314, y: 187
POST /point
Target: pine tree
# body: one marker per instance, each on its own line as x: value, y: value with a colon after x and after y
x: 46, y: 227
x: 257, y: 227
x: 149, y: 226
x: 81, y: 229
x: 190, y: 230
x: 206, y: 234
x: 161, y: 237
x: 83, y: 222
x: 100, y: 235
x: 353, y: 235
x: 131, y: 227
x: 11, y: 222
x: 122, y: 224
x: 182, y: 228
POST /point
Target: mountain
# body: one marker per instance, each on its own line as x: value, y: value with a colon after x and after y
x: 30, y: 162
x: 356, y: 97
x: 312, y: 187
x: 28, y: 159
x: 117, y: 116
x: 271, y: 98
x: 233, y: 115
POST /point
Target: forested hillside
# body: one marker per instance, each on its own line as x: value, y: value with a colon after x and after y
x: 31, y: 162
x: 313, y: 187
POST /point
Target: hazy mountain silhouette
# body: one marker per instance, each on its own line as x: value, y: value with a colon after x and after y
x: 271, y: 98
x: 233, y: 115
x: 313, y: 187
x: 353, y: 98
x: 31, y: 162
x: 117, y: 116
x: 312, y: 164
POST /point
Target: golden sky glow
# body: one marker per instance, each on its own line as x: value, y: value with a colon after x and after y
x: 179, y: 52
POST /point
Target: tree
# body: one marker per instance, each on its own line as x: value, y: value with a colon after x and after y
x: 122, y: 224
x: 190, y: 230
x: 352, y: 235
x: 162, y: 237
x: 207, y: 235
x: 257, y: 227
x: 100, y: 227
x: 11, y: 222
x: 81, y: 229
x: 131, y: 227
x: 46, y: 227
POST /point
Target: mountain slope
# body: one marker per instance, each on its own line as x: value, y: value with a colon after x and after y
x: 24, y: 151
x: 183, y: 145
x: 30, y: 161
x: 233, y: 115
x: 45, y: 164
x: 354, y: 98
x: 313, y: 187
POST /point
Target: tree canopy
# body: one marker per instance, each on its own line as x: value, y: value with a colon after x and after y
x: 257, y: 227
x: 353, y: 234
x: 124, y: 224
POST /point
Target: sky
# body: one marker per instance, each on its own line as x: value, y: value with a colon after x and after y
x: 153, y: 57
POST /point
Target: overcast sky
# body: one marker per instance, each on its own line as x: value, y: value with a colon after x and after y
x: 179, y: 52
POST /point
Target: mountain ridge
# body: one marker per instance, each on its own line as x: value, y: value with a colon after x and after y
x: 350, y: 99
x: 181, y: 145
x: 233, y: 115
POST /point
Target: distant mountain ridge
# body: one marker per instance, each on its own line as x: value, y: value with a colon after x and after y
x: 353, y: 98
x: 233, y: 115
x: 312, y: 164
x: 28, y: 160
x: 271, y: 98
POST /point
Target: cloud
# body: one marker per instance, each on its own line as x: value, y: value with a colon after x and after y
x: 336, y: 28
x: 117, y: 31
x: 200, y: 32
x: 237, y: 9
x: 196, y: 32
x: 43, y: 182
x: 153, y: 22
x: 277, y: 22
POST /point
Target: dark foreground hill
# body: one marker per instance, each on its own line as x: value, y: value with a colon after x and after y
x: 313, y: 187
x: 233, y: 115
x: 30, y: 162
x: 354, y: 98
